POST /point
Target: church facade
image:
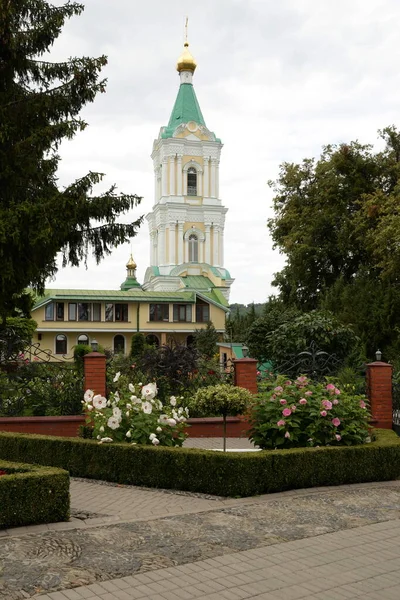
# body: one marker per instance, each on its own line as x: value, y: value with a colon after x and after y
x: 186, y: 285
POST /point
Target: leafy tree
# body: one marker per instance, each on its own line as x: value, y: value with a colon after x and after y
x: 40, y: 103
x: 337, y: 220
x: 138, y: 345
x: 275, y: 314
x: 205, y: 341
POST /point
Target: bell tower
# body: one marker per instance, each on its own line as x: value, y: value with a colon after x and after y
x: 187, y: 220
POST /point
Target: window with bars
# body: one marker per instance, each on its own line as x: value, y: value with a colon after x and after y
x: 192, y: 182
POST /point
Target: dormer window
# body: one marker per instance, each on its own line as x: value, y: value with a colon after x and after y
x: 192, y: 182
x: 193, y: 248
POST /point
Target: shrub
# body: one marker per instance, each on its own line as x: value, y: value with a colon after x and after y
x: 301, y: 413
x: 32, y: 494
x: 224, y: 474
x: 138, y: 419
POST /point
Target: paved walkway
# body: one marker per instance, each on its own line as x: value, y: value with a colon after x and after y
x: 128, y: 543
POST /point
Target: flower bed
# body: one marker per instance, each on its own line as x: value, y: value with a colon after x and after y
x: 32, y: 494
x: 230, y: 474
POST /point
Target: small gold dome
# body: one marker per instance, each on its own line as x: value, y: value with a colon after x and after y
x: 131, y: 263
x: 186, y: 61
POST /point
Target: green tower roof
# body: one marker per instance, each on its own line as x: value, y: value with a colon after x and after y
x: 186, y: 108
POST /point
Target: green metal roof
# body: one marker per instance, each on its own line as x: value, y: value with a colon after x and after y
x: 186, y: 108
x: 216, y: 297
x: 197, y: 282
x: 129, y: 284
x: 132, y: 295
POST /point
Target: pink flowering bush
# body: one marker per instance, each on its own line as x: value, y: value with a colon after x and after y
x: 134, y: 414
x: 302, y: 413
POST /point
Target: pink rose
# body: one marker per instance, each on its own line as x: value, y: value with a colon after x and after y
x: 338, y: 437
x: 309, y: 393
x: 301, y: 380
x: 337, y: 392
x: 293, y: 407
x: 330, y: 387
x: 287, y: 435
x: 278, y: 389
x: 302, y: 401
x: 282, y: 401
x: 362, y: 404
x: 288, y: 382
x: 326, y: 404
x: 281, y: 423
x: 336, y: 422
x: 323, y: 413
x: 335, y: 401
x: 286, y: 412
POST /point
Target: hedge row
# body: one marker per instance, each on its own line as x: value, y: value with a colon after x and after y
x: 32, y: 494
x: 230, y: 474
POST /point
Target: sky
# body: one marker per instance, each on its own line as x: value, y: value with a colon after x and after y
x: 276, y: 81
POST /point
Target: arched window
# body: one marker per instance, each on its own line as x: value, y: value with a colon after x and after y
x: 119, y: 344
x: 83, y: 339
x: 192, y: 182
x: 61, y: 344
x: 189, y: 341
x: 193, y: 248
x: 152, y: 340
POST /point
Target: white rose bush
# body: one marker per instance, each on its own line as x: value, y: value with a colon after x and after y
x: 135, y: 415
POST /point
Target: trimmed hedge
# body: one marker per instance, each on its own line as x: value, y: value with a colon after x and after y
x: 224, y: 474
x: 32, y: 494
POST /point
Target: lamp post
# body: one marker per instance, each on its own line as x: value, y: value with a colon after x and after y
x: 95, y: 345
x: 245, y: 351
x: 378, y: 355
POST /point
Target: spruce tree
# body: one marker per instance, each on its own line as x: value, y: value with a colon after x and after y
x: 40, y: 103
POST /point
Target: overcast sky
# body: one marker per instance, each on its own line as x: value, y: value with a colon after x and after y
x: 276, y: 80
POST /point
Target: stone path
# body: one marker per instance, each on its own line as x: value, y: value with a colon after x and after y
x: 152, y: 536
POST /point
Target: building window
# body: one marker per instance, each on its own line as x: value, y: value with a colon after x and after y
x: 61, y: 344
x: 49, y: 312
x: 119, y: 344
x: 121, y: 312
x: 159, y: 312
x: 152, y: 340
x: 72, y: 311
x: 84, y: 311
x: 83, y: 339
x: 182, y: 313
x: 193, y: 248
x: 60, y: 311
x: 202, y: 312
x: 109, y: 312
x: 192, y: 182
x: 96, y: 311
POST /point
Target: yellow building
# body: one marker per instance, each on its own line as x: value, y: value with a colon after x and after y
x: 186, y: 285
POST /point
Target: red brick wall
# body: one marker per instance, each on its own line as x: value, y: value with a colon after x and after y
x: 379, y: 385
x: 95, y: 372
x: 246, y: 374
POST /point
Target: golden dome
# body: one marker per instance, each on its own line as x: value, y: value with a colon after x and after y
x: 186, y: 61
x: 131, y: 263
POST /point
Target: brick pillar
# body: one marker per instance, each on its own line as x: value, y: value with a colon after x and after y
x: 246, y: 373
x: 379, y: 386
x: 95, y: 372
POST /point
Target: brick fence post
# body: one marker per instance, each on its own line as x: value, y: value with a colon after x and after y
x: 379, y: 386
x: 246, y: 374
x: 95, y: 372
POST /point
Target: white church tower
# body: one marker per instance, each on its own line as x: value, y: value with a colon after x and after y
x: 188, y: 218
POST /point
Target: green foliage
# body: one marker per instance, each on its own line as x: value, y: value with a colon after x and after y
x: 240, y: 319
x: 337, y: 220
x: 205, y: 341
x: 136, y: 419
x: 138, y: 345
x: 80, y: 350
x: 302, y: 413
x: 223, y: 399
x: 40, y: 102
x: 230, y: 474
x: 275, y: 314
x: 31, y: 495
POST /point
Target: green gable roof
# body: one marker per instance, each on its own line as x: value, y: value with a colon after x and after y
x: 133, y: 295
x: 197, y: 282
x: 186, y: 108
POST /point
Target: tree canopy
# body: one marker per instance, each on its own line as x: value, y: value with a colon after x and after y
x: 337, y: 220
x: 40, y: 103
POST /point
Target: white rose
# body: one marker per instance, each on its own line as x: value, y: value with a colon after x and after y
x: 116, y: 397
x: 117, y: 413
x: 131, y: 388
x: 88, y: 395
x: 117, y: 376
x: 101, y: 429
x: 182, y: 419
x: 163, y: 419
x: 128, y: 434
x: 172, y: 401
x: 152, y: 437
x: 159, y: 430
x: 149, y: 391
x: 129, y: 406
x: 113, y: 423
x: 155, y: 441
x: 99, y: 402
x: 147, y: 408
x: 89, y: 407
x: 171, y: 422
